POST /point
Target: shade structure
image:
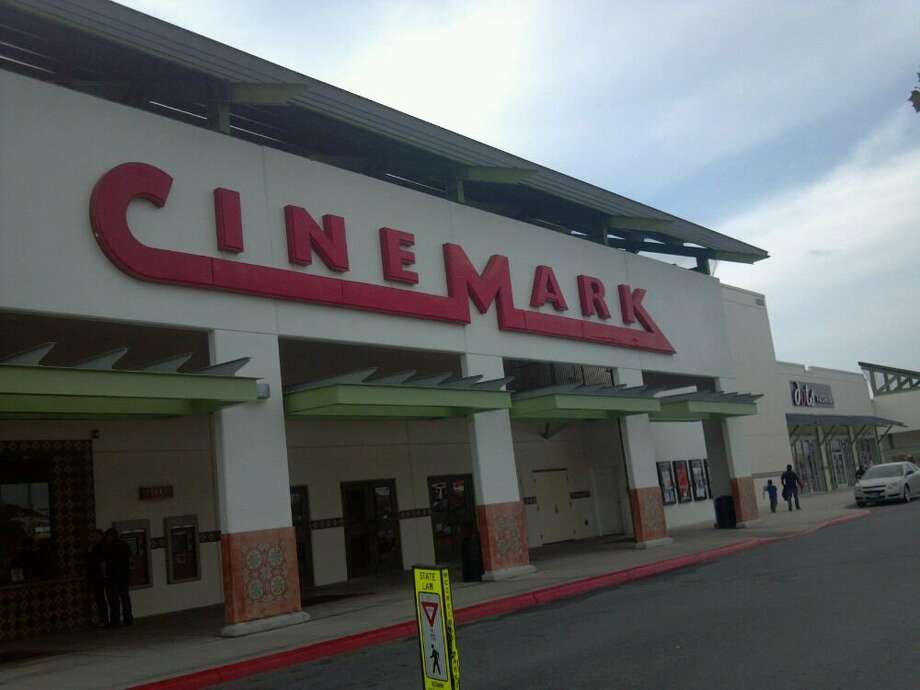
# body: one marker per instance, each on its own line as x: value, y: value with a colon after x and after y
x: 92, y: 389
x: 840, y: 420
x: 577, y: 401
x: 702, y: 405
x: 406, y: 395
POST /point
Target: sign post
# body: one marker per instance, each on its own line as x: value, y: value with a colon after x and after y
x: 434, y: 613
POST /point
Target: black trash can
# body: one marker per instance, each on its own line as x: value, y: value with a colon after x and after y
x: 725, y: 512
x: 471, y: 559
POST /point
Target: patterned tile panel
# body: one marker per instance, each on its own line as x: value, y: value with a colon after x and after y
x: 647, y: 513
x: 61, y: 602
x: 503, y: 536
x: 260, y: 574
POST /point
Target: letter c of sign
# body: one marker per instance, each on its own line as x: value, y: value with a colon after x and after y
x: 108, y: 212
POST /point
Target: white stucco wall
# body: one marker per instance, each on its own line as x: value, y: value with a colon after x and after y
x: 902, y: 407
x: 682, y: 441
x: 64, y: 141
x: 751, y: 343
x: 562, y: 451
x: 129, y: 455
x: 323, y: 454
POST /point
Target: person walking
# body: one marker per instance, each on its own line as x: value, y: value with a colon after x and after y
x: 791, y: 483
x: 118, y: 579
x: 770, y: 490
x: 95, y: 566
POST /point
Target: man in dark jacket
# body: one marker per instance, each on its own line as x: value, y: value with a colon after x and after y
x: 791, y: 483
x: 95, y: 566
x: 118, y: 578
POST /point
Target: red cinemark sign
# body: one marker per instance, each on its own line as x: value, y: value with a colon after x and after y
x: 124, y: 183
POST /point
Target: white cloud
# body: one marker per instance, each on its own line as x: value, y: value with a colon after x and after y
x: 841, y: 281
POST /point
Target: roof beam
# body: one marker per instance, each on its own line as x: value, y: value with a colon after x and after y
x: 635, y: 223
x: 661, y: 248
x: 494, y: 175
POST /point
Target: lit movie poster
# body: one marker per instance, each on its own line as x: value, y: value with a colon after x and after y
x: 682, y: 479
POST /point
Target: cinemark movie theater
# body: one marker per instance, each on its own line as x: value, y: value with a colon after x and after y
x: 281, y: 336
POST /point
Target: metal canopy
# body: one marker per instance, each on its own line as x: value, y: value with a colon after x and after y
x: 405, y: 395
x: 92, y: 389
x: 419, y: 152
x: 885, y: 380
x: 701, y: 405
x: 577, y: 401
x: 839, y: 420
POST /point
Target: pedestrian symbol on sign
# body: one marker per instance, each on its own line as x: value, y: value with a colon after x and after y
x: 435, y: 666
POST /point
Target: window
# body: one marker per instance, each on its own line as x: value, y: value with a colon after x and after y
x: 884, y: 472
x: 27, y: 545
x: 182, y: 560
x: 136, y: 534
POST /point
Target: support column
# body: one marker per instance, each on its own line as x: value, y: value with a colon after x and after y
x: 730, y: 463
x: 499, y: 510
x: 258, y: 550
x: 646, y: 506
x: 854, y: 451
x: 824, y: 457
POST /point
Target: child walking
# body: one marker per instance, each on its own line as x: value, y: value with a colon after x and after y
x: 770, y: 489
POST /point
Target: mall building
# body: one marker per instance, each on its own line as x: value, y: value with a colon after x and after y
x: 281, y: 336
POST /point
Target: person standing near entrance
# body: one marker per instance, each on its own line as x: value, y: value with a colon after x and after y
x: 770, y: 490
x: 118, y: 579
x: 95, y: 566
x: 791, y: 483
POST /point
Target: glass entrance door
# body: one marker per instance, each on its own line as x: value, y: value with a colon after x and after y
x: 842, y: 463
x: 453, y: 514
x: 300, y: 515
x: 371, y: 516
x: 808, y: 465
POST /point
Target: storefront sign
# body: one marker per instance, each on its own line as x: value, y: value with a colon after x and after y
x: 115, y: 191
x: 811, y: 394
x: 155, y: 493
x: 434, y: 613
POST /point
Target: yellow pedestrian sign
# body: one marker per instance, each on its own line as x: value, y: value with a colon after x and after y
x: 434, y: 612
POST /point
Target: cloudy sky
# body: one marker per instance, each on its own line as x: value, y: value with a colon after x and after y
x: 785, y: 124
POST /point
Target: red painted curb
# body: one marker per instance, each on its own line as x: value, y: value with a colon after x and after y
x: 249, y: 667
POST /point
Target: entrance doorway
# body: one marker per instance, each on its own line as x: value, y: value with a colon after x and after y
x: 371, y: 516
x: 453, y: 514
x: 300, y: 515
x: 808, y: 465
x: 554, y: 505
x: 844, y: 473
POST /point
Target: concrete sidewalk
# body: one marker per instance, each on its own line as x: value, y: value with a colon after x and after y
x: 177, y: 644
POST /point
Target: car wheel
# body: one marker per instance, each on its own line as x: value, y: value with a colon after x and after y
x: 906, y: 495
x: 861, y: 504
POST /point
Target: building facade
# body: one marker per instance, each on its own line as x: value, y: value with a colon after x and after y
x: 282, y: 337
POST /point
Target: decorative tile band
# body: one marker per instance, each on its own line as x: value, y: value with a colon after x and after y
x: 414, y: 513
x: 327, y: 523
x: 529, y: 500
x: 211, y: 536
x: 579, y: 494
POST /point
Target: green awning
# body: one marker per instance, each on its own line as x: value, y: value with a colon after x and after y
x: 576, y: 401
x: 700, y: 405
x: 399, y: 396
x: 92, y: 389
